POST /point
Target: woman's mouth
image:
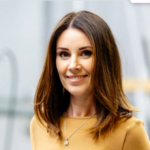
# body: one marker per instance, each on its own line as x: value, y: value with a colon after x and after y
x: 76, y: 78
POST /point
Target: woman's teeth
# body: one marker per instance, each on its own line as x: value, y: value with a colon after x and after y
x: 76, y: 78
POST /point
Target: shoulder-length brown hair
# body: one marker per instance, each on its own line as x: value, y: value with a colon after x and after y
x: 111, y: 103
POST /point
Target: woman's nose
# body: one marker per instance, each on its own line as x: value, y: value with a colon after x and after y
x: 74, y: 64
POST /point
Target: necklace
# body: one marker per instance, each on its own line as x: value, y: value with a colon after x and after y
x: 66, y: 143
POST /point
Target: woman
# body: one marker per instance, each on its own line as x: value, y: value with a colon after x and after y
x: 79, y: 102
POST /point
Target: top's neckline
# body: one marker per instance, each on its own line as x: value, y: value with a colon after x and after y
x: 77, y: 117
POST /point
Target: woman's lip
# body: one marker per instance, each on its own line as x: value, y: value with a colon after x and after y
x: 76, y: 78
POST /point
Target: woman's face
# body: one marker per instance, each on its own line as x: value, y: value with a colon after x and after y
x: 74, y: 59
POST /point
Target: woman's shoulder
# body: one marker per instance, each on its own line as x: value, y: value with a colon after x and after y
x: 127, y: 134
x: 33, y: 121
x: 36, y: 124
x: 131, y: 122
x: 134, y: 133
x: 127, y: 127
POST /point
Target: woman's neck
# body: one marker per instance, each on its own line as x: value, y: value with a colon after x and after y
x: 81, y: 106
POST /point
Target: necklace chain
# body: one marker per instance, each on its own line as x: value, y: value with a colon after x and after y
x: 66, y: 142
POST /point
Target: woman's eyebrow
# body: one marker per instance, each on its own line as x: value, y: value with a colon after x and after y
x: 85, y: 47
x: 62, y: 48
x: 81, y: 48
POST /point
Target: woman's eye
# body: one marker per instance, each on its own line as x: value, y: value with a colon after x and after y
x: 64, y: 55
x: 87, y: 53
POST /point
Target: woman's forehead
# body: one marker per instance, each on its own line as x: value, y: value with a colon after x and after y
x: 71, y: 37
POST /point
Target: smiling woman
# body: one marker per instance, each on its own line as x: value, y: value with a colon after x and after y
x: 74, y: 62
x: 79, y: 102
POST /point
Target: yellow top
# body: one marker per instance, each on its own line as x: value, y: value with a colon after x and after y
x: 127, y: 135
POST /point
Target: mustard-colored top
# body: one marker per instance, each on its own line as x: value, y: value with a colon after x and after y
x: 127, y: 135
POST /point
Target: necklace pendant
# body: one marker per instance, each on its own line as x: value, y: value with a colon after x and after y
x: 66, y: 143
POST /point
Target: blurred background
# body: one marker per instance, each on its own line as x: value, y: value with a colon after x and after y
x: 25, y: 29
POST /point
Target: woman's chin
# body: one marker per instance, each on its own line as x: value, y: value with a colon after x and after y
x: 79, y: 93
